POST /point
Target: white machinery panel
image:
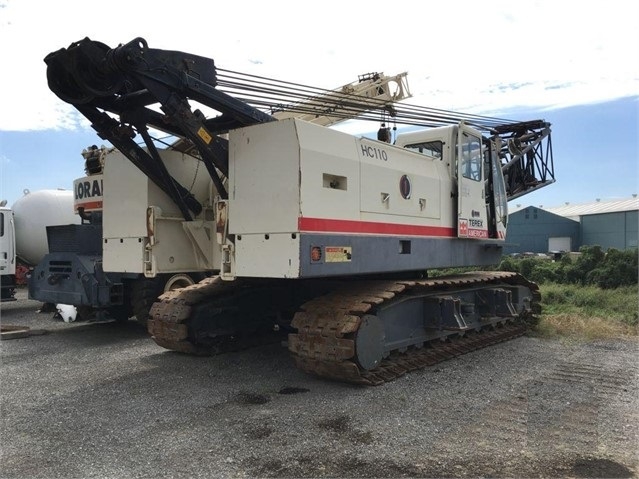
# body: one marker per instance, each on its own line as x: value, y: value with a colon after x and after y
x: 125, y: 198
x: 265, y: 179
x: 274, y: 255
x: 173, y: 251
x: 330, y: 173
x: 137, y: 243
x: 309, y: 172
x: 290, y: 176
x: 128, y: 192
x: 399, y: 182
x: 123, y: 255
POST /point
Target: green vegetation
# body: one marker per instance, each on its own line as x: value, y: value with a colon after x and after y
x: 619, y: 303
x: 588, y: 312
x: 592, y: 296
x: 592, y: 266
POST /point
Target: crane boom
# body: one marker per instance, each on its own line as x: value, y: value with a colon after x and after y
x: 525, y: 150
x: 372, y: 91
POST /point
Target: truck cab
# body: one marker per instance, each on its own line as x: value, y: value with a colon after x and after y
x: 7, y: 255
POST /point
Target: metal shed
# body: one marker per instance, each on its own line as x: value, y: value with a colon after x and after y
x: 609, y: 224
x: 533, y: 230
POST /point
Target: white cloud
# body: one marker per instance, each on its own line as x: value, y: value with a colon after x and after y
x: 470, y: 56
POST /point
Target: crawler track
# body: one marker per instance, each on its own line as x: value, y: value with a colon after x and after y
x: 325, y: 342
x: 398, y: 364
x: 170, y: 317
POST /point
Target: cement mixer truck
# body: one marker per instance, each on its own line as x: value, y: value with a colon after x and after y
x: 33, y: 213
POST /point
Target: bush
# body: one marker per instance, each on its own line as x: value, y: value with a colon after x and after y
x: 611, y: 269
x: 545, y: 272
x: 607, y: 270
x: 619, y: 268
x: 591, y: 257
x: 508, y: 264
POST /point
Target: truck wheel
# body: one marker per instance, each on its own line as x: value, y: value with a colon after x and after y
x: 145, y: 291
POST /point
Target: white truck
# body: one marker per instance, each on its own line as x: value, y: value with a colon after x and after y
x: 7, y: 254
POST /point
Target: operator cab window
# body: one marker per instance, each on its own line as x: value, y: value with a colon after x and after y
x: 1, y: 224
x: 471, y: 157
x: 429, y: 148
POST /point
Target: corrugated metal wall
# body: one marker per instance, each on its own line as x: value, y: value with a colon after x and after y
x: 530, y: 229
x: 611, y: 230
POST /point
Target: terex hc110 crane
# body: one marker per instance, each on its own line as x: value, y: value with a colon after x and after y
x: 313, y: 229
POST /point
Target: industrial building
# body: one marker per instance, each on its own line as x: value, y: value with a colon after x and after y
x: 609, y: 224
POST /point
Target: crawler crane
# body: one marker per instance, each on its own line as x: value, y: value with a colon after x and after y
x: 327, y: 235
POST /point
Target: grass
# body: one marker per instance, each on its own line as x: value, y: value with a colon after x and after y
x: 588, y: 312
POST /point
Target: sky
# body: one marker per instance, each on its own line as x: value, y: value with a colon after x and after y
x: 572, y: 63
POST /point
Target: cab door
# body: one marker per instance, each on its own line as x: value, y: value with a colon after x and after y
x: 472, y: 221
x: 497, y: 199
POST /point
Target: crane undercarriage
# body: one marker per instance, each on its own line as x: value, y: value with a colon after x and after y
x: 359, y: 331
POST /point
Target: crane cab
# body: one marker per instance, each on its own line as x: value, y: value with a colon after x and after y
x: 478, y: 182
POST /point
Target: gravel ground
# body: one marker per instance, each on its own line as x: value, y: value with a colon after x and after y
x: 102, y: 400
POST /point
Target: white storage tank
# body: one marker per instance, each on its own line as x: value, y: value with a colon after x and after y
x: 33, y: 213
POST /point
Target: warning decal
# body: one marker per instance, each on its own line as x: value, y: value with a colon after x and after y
x: 338, y: 254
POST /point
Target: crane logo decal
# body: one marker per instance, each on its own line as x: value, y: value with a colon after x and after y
x: 463, y: 227
x: 472, y: 229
